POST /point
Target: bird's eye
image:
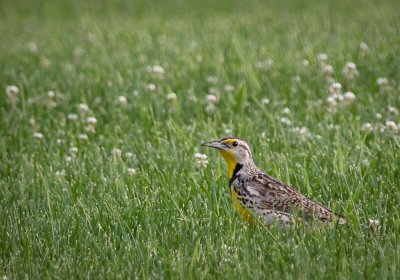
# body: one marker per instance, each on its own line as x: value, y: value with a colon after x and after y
x: 235, y: 144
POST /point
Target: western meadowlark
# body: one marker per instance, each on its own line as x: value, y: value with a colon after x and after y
x: 254, y: 193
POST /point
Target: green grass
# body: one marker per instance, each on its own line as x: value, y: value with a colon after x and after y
x: 171, y: 219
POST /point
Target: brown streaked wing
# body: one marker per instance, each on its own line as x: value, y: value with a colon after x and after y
x: 276, y: 195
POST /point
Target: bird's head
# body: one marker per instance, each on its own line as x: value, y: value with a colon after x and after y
x: 233, y: 150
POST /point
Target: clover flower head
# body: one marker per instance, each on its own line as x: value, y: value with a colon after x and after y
x: 349, y: 97
x: 211, y: 99
x: 171, y: 96
x: 335, y: 88
x: 265, y: 101
x: 131, y: 171
x: 38, y: 135
x: 201, y: 160
x: 157, y: 70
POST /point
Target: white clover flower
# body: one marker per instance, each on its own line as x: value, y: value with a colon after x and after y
x: 51, y: 103
x: 130, y: 155
x: 265, y: 101
x: 59, y: 141
x: 229, y: 88
x: 135, y: 93
x: 350, y: 70
x: 91, y: 120
x: 60, y: 173
x: 83, y: 137
x: 322, y: 58
x: 212, y: 79
x: 373, y: 223
x: 366, y: 127
x: 363, y: 48
x: 285, y: 121
x: 382, y: 83
x: 12, y: 93
x: 378, y: 116
x: 349, y: 97
x: 268, y: 63
x: 31, y: 46
x: 38, y: 135
x: 338, y: 97
x: 171, y: 96
x: 393, y: 110
x: 51, y: 94
x: 328, y: 70
x: 335, y: 88
x: 122, y: 100
x: 200, y: 156
x: 72, y: 117
x: 200, y: 160
x: 91, y: 127
x: 151, y: 87
x: 211, y: 99
x: 73, y: 150
x: 391, y: 125
x: 131, y: 171
x: 228, y: 131
x: 303, y: 132
x: 305, y: 62
x: 157, y: 70
x: 116, y: 152
x: 83, y: 108
x: 331, y: 101
x: 68, y: 158
x: 286, y: 111
x: 201, y: 163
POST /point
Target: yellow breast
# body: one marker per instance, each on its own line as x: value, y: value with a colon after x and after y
x: 243, y: 211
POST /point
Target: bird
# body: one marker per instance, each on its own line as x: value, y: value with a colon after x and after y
x: 257, y: 195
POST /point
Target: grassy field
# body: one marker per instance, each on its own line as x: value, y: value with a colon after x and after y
x: 97, y: 171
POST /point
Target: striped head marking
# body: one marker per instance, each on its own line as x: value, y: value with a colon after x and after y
x: 233, y: 150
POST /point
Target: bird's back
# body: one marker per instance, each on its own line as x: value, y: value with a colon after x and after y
x: 277, y: 202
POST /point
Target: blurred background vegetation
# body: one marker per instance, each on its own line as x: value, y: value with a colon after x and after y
x: 70, y: 206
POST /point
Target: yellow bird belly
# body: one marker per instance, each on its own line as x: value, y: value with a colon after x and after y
x: 244, y: 212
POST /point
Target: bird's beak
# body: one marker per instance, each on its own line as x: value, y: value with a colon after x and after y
x: 215, y: 144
